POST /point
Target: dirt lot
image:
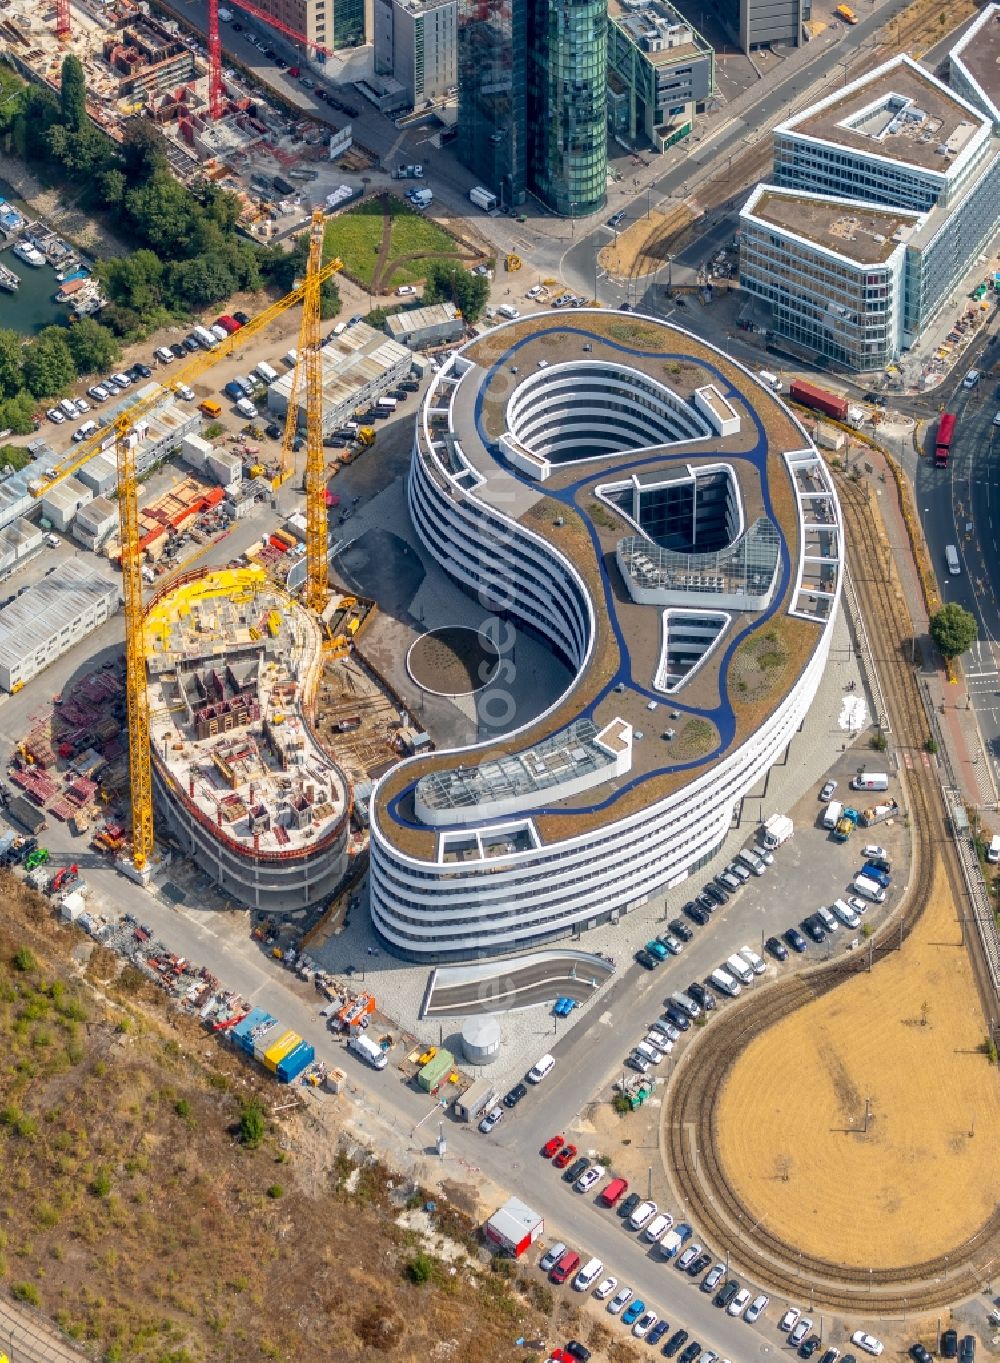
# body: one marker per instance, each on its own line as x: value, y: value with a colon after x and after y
x: 923, y: 1178
x: 132, y: 1213
x: 641, y: 248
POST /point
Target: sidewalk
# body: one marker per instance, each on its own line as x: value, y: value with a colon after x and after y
x: 28, y: 1338
x: 963, y: 754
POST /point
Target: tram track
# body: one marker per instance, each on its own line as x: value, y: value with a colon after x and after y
x: 690, y: 1129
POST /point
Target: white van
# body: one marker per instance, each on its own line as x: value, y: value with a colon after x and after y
x: 724, y: 982
x: 541, y: 1068
x: 68, y: 406
x: 738, y: 967
x: 658, y: 1227
x: 772, y: 380
x: 832, y: 813
x: 951, y: 558
x: 993, y: 851
x: 871, y: 780
x: 588, y: 1275
x: 292, y: 357
x: 846, y: 914
x: 688, y: 1005
x: 868, y: 889
x: 511, y: 314
x: 971, y: 379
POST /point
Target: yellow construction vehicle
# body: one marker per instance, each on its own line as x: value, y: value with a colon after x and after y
x: 317, y: 570
x: 512, y: 262
x: 366, y: 436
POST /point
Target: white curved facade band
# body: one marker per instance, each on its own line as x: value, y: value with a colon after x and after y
x: 593, y: 807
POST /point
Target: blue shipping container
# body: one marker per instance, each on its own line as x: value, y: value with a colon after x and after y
x: 243, y: 1032
x: 295, y: 1062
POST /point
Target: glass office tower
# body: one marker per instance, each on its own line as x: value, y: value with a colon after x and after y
x: 567, y: 104
x: 492, y: 94
x: 532, y: 100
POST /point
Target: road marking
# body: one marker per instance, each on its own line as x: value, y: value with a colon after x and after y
x: 972, y: 676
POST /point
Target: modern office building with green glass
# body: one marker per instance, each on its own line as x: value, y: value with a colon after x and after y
x: 532, y: 90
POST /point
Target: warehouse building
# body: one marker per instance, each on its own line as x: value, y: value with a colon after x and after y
x: 18, y: 543
x: 436, y: 324
x: 160, y: 432
x: 359, y: 367
x: 51, y: 617
x: 63, y: 500
x: 96, y: 522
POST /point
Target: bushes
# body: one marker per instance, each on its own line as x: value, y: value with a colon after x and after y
x: 252, y: 1125
x: 420, y: 1269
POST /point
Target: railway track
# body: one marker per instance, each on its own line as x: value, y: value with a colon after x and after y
x: 690, y: 1131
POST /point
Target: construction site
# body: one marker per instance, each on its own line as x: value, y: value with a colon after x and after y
x: 233, y: 665
x: 216, y: 125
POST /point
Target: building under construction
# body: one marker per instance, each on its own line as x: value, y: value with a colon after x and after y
x: 233, y: 664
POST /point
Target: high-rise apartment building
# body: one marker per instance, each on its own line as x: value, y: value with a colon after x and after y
x: 332, y: 23
x: 415, y: 44
x: 532, y: 86
x: 660, y: 69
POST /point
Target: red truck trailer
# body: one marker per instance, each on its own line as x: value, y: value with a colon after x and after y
x: 945, y: 435
x: 831, y: 404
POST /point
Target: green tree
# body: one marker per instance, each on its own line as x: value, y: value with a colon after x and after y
x: 11, y: 362
x: 134, y: 281
x: 111, y: 186
x: 420, y: 1269
x: 92, y: 346
x: 953, y: 630
x: 447, y: 281
x: 73, y: 94
x: 143, y: 151
x: 40, y: 115
x: 17, y: 414
x: 48, y: 363
x: 161, y: 214
x: 205, y: 279
x: 252, y: 1127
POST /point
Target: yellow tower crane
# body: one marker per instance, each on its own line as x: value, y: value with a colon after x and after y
x: 126, y: 441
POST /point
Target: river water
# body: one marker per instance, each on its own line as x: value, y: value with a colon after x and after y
x: 33, y: 306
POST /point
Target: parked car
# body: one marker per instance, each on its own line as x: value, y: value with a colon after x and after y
x: 552, y: 1256
x: 515, y: 1095
x: 577, y: 1350
x: 813, y: 928
x: 690, y: 1353
x: 701, y: 996
x: 605, y: 1287
x: 567, y: 1153
x: 644, y: 1324
x: 658, y: 1331
x: 575, y: 1170
x: 874, y: 850
x: 726, y: 1293
x: 589, y: 1177
x: 696, y: 915
x: 712, y: 1278
x: 827, y: 791
x: 795, y: 940
x: 756, y: 1309
x: 775, y: 947
x: 800, y: 1331
x: 809, y: 1346
x: 868, y: 1343
x: 552, y: 1147
x: 645, y: 959
x: 633, y: 1311
x: 675, y: 1341
x: 628, y: 1204
x: 619, y: 1300
x: 788, y: 1320
x: 949, y: 1344
x: 687, y: 1258
x: 918, y: 1353
x: 642, y: 1215
x: 616, y: 1189
x: 681, y: 929
x: 830, y: 1356
x: 492, y: 1119
x: 739, y: 1303
x: 699, y: 1264
x: 966, y: 1349
x: 637, y: 1062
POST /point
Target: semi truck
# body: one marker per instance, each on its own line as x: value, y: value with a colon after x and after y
x: 819, y: 399
x: 483, y: 198
x: 368, y: 1051
x: 777, y: 829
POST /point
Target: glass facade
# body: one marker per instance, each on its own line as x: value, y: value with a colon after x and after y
x: 567, y: 104
x: 348, y: 23
x: 492, y: 94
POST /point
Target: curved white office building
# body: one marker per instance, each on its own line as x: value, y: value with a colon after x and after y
x: 643, y: 505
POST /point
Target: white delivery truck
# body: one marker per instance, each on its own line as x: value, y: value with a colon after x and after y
x: 368, y: 1051
x: 738, y: 967
x: 421, y: 198
x: 266, y: 372
x: 871, y: 780
x: 832, y: 813
x: 771, y: 379
x: 993, y: 851
x: 951, y: 558
x: 483, y: 198
x: 778, y: 829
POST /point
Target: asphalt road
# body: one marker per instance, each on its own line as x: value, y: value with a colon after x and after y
x: 960, y: 505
